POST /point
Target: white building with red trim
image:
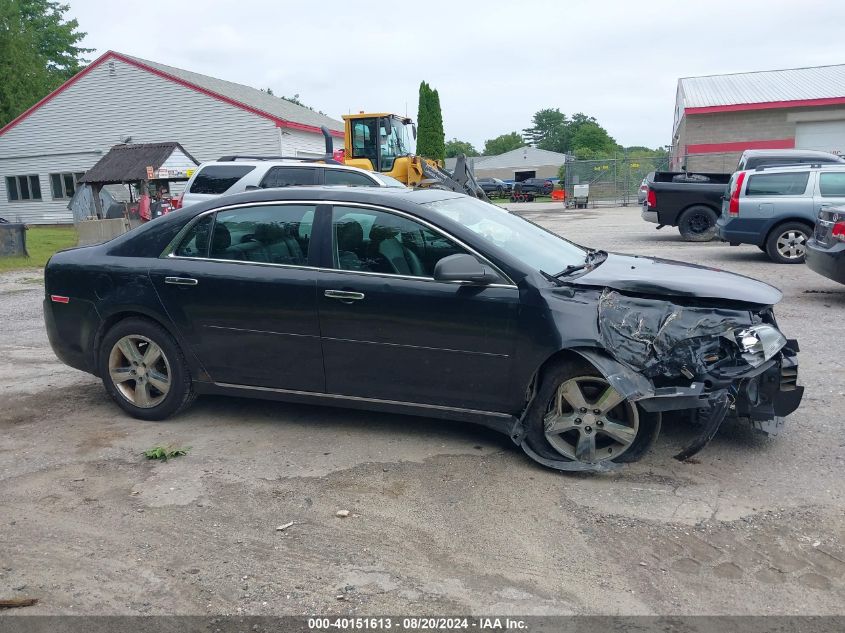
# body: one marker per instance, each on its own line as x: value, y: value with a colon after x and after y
x: 719, y: 116
x: 119, y: 98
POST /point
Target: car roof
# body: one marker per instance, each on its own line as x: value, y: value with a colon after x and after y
x: 281, y: 163
x: 792, y: 168
x: 810, y: 153
x: 318, y: 193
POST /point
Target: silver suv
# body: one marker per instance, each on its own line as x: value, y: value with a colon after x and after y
x: 775, y: 208
x: 232, y: 175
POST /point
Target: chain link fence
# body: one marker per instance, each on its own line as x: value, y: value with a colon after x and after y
x: 612, y: 182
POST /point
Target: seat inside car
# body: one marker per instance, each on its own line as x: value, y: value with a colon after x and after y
x: 350, y: 244
x: 399, y: 259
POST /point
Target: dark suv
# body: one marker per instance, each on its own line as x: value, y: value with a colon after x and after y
x: 537, y: 186
x: 494, y: 186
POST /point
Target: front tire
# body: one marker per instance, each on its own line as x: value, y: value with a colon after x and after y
x: 698, y: 224
x: 786, y: 244
x: 144, y: 371
x: 576, y: 416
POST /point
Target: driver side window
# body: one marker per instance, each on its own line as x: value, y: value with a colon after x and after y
x: 380, y: 242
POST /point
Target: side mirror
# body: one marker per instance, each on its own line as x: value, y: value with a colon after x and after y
x: 414, y: 130
x: 388, y: 125
x: 464, y: 268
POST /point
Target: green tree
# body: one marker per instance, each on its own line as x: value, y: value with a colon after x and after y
x: 592, y: 139
x: 439, y: 136
x: 38, y: 51
x: 503, y: 143
x: 550, y: 130
x: 455, y: 147
x: 431, y: 141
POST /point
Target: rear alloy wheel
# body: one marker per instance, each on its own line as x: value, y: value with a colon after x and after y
x: 577, y: 416
x: 787, y: 243
x: 144, y: 371
x: 139, y: 371
x: 698, y: 224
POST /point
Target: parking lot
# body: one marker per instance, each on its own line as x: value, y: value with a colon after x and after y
x: 444, y: 518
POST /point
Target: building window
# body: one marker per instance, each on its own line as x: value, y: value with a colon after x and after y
x: 23, y: 188
x: 64, y: 185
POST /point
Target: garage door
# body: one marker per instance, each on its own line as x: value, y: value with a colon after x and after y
x: 827, y: 136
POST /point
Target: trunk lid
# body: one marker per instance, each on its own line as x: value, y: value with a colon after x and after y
x: 828, y: 217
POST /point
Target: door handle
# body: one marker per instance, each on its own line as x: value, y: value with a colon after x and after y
x: 344, y: 295
x: 181, y: 281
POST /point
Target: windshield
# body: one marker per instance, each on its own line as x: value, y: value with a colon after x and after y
x: 393, y: 144
x: 531, y: 244
x: 388, y: 181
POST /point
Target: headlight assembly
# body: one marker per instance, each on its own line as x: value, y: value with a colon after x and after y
x: 759, y: 343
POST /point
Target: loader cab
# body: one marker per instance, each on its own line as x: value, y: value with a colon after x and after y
x: 375, y: 141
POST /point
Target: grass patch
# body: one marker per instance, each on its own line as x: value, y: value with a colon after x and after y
x: 41, y: 242
x: 164, y: 453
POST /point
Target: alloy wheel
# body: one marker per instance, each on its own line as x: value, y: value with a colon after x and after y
x: 589, y: 421
x: 791, y: 244
x: 140, y: 371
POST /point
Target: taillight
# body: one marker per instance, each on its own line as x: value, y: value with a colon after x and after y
x: 177, y: 201
x: 838, y: 231
x: 651, y: 198
x: 733, y: 206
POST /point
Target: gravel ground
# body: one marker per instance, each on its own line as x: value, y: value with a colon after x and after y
x: 444, y: 518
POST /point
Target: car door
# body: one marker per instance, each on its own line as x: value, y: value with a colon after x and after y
x: 241, y: 290
x: 391, y: 332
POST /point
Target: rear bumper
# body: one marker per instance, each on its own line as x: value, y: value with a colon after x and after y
x: 648, y: 215
x: 71, y: 329
x: 828, y: 262
x: 742, y: 230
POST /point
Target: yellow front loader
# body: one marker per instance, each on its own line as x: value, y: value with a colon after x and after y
x: 381, y: 142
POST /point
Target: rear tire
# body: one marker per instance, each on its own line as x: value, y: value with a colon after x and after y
x: 556, y: 428
x: 144, y: 371
x: 787, y: 242
x: 698, y: 224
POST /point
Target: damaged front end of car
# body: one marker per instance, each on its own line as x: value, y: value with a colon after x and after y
x: 713, y: 357
x: 700, y: 355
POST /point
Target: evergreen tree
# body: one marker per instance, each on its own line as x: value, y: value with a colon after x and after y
x: 431, y: 141
x: 439, y: 136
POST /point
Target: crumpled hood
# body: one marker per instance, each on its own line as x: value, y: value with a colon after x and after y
x: 667, y: 278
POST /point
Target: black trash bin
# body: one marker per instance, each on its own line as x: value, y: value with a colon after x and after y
x: 13, y: 239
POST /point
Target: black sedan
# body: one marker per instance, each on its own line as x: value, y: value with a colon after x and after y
x: 420, y: 302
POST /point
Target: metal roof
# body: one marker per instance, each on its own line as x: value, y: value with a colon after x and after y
x: 247, y: 95
x: 517, y: 158
x: 765, y: 86
x: 127, y: 163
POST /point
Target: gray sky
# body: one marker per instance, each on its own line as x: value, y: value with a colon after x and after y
x: 494, y: 63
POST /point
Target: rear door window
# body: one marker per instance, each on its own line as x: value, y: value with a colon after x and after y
x: 195, y: 242
x: 788, y: 184
x: 289, y: 177
x: 832, y: 184
x: 267, y: 234
x: 217, y: 179
x: 348, y: 178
